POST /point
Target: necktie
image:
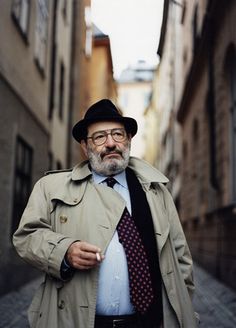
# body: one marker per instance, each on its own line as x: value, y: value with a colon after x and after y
x: 141, y: 291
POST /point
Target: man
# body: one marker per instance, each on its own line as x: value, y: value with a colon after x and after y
x: 108, y: 237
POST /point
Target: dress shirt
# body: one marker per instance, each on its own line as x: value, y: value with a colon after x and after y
x: 113, y: 296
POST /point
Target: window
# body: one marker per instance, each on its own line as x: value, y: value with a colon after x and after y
x: 50, y: 161
x: 195, y: 30
x: 212, y: 137
x: 184, y: 7
x: 22, y: 181
x: 53, y: 60
x: 185, y: 164
x: 61, y: 91
x: 185, y: 150
x: 20, y: 15
x: 59, y: 165
x: 64, y: 9
x: 230, y: 70
x: 195, y: 132
x: 41, y: 32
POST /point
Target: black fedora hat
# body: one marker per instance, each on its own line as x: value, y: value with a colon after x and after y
x: 103, y: 110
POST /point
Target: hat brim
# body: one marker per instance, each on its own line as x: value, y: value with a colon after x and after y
x: 79, y: 131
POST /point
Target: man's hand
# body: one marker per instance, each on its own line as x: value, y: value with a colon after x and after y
x: 83, y: 256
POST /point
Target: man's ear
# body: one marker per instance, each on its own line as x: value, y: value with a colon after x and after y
x: 84, y: 147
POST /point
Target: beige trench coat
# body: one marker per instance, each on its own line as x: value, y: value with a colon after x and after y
x: 67, y: 206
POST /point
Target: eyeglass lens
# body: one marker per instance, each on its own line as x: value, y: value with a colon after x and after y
x: 100, y: 137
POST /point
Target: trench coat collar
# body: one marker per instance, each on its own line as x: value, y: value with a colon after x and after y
x: 144, y: 171
x: 81, y: 171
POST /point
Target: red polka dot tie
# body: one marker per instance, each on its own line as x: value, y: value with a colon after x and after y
x: 141, y: 291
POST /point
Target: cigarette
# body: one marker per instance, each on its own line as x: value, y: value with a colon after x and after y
x: 98, y: 257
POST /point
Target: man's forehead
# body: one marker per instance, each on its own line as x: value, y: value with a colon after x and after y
x: 104, y: 125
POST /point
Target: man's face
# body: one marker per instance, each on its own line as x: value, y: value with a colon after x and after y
x: 112, y: 156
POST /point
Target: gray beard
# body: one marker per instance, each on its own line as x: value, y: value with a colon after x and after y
x: 111, y: 167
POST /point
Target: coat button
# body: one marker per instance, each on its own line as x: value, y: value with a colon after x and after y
x: 61, y: 305
x: 63, y: 219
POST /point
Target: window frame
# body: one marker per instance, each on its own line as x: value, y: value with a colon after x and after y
x: 41, y: 35
x: 21, y: 22
x: 61, y: 91
x: 23, y: 169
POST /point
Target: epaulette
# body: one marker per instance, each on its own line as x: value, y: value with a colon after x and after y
x: 58, y: 171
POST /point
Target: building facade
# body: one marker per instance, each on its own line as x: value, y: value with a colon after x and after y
x: 59, y: 106
x: 102, y: 83
x: 92, y: 69
x: 49, y: 75
x: 169, y: 90
x: 35, y: 52
x: 152, y: 116
x: 82, y: 40
x: 134, y: 93
x: 205, y: 109
x: 207, y: 115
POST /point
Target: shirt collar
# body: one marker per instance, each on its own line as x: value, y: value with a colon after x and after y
x: 120, y: 178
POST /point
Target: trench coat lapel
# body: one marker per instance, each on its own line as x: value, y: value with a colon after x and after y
x: 161, y: 225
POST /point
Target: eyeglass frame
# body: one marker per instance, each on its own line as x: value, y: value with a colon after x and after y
x: 106, y: 134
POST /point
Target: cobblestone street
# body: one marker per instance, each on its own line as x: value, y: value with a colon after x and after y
x: 13, y: 306
x: 215, y: 303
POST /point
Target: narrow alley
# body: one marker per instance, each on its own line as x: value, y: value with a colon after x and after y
x: 215, y: 303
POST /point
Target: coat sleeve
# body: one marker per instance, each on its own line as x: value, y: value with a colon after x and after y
x: 34, y: 240
x: 180, y: 244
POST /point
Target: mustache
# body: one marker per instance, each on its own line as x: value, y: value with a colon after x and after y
x: 111, y: 151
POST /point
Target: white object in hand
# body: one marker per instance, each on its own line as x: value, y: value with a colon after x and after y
x: 98, y: 257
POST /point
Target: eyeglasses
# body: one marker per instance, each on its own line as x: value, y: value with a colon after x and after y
x: 100, y: 137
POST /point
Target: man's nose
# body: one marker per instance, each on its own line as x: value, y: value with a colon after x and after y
x: 110, y: 141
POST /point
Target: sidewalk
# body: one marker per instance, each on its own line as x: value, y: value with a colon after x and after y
x: 215, y: 303
x: 13, y: 306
